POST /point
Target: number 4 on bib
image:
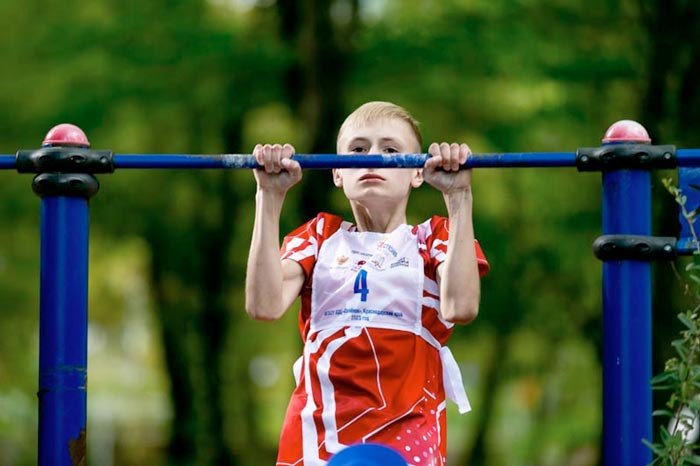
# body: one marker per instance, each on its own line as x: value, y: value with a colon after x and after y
x: 361, y: 285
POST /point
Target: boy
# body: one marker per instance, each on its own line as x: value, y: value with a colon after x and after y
x: 379, y: 298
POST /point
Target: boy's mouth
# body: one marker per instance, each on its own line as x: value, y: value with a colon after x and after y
x: 371, y: 176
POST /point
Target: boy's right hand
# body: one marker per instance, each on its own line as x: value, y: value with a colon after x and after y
x: 279, y: 172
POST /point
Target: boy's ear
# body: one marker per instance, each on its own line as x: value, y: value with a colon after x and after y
x: 417, y: 179
x: 337, y: 178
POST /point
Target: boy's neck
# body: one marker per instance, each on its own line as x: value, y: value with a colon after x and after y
x: 383, y: 220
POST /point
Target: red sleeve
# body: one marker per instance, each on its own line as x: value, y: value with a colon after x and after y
x: 484, y: 265
x: 302, y: 244
x: 437, y: 244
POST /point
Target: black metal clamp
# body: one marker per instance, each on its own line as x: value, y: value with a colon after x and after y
x: 635, y: 248
x: 625, y: 156
x: 65, y: 160
x: 65, y: 184
x: 65, y: 170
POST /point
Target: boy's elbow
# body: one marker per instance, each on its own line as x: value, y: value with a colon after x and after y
x: 263, y: 316
x: 255, y: 315
x: 461, y: 315
x: 262, y: 313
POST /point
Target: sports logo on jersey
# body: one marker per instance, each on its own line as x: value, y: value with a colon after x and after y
x: 358, y: 265
x: 384, y: 245
x: 403, y: 262
x: 377, y: 262
x: 340, y: 260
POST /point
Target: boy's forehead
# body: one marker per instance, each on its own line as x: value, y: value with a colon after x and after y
x: 380, y: 128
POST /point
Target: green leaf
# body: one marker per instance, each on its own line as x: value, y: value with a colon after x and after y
x: 687, y: 321
x: 664, y: 377
x: 680, y: 348
x: 664, y: 434
x: 657, y: 448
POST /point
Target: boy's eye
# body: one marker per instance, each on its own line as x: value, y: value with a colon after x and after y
x: 357, y: 149
x: 391, y: 150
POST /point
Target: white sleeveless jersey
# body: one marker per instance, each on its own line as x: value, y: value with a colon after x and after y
x: 374, y: 367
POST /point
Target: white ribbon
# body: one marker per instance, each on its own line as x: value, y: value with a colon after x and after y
x: 452, y: 379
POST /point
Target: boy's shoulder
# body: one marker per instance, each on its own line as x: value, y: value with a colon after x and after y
x: 323, y: 225
x: 331, y: 222
x: 432, y: 224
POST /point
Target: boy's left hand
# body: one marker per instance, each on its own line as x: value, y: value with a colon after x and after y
x: 442, y: 171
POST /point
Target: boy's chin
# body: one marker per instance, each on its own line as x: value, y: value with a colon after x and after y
x: 377, y: 199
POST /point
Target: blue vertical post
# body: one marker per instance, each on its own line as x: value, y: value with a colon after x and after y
x: 627, y: 403
x: 63, y: 331
x: 63, y: 308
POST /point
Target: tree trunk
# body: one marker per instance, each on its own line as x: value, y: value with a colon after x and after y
x: 216, y: 320
x: 190, y: 273
x: 493, y: 380
x: 176, y: 337
x: 315, y: 83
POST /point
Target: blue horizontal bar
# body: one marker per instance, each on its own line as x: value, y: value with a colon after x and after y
x: 7, y: 161
x: 326, y: 161
x: 522, y: 159
x: 688, y: 157
x: 687, y: 246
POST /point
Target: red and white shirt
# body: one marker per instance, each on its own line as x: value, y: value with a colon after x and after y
x: 374, y: 368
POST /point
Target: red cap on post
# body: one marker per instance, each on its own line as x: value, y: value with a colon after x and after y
x: 626, y: 131
x: 66, y: 134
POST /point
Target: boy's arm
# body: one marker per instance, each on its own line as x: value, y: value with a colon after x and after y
x: 458, y: 275
x: 271, y: 285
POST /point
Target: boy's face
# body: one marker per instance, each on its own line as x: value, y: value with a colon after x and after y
x: 384, y: 136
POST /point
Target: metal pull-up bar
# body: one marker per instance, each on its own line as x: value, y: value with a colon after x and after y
x: 65, y: 168
x: 683, y: 157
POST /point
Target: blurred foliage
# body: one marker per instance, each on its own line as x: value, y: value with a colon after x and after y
x: 178, y: 374
x: 681, y: 376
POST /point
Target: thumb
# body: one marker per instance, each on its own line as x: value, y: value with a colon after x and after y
x: 433, y: 162
x: 291, y: 166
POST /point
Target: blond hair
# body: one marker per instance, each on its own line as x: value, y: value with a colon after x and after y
x: 373, y: 111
